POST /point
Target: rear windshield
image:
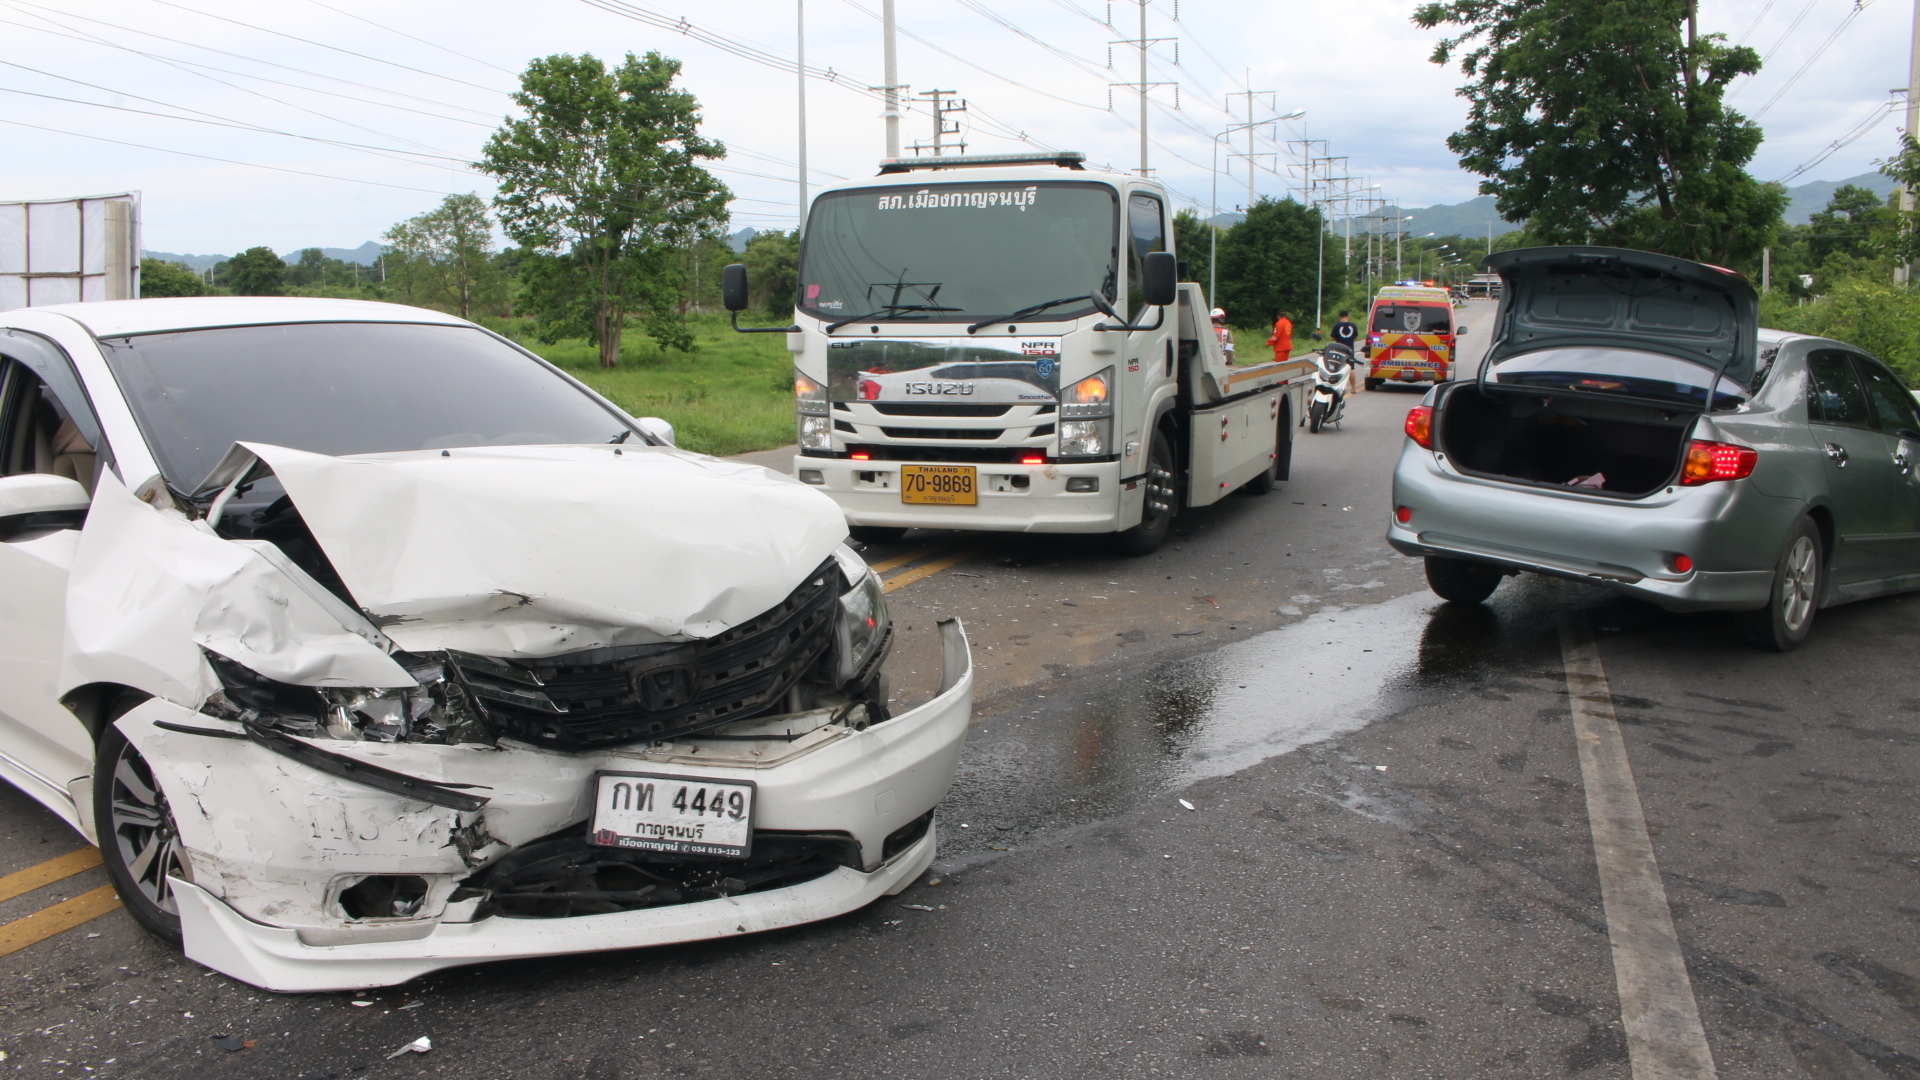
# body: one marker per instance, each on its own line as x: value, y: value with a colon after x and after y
x: 1617, y: 372
x: 1413, y: 319
x: 344, y: 388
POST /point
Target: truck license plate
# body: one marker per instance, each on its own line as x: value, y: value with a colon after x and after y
x: 939, y: 485
x: 678, y: 814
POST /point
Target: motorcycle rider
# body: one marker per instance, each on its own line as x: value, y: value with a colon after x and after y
x: 1224, y: 332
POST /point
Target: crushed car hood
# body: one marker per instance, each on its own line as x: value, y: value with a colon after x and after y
x: 1599, y: 297
x: 531, y: 551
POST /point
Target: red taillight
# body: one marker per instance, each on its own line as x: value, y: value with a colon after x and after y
x: 1708, y: 462
x: 1420, y: 425
x: 869, y: 390
x: 861, y: 455
x: 1403, y: 514
x: 1033, y: 459
x: 1680, y: 563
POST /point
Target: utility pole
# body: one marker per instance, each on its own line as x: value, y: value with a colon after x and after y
x: 1272, y: 103
x: 1766, y: 270
x: 940, y: 128
x: 893, y: 87
x: 1905, y: 272
x: 1306, y: 165
x: 800, y: 68
x: 1143, y: 42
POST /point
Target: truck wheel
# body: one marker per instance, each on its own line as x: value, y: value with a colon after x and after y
x: 876, y: 534
x: 1373, y: 384
x: 1788, y: 617
x: 1460, y: 581
x: 1162, y: 501
x: 138, y: 841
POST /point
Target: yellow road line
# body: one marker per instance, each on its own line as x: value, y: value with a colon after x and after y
x: 901, y: 581
x: 885, y: 565
x: 61, y: 917
x: 33, y: 877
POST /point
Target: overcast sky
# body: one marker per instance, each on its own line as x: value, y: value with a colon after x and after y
x: 420, y: 84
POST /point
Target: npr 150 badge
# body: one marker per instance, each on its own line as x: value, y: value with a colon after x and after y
x: 676, y: 814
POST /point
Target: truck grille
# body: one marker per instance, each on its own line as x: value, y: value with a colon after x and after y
x: 936, y: 408
x: 981, y: 434
x: 643, y: 693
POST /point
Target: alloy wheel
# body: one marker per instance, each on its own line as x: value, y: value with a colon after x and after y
x: 140, y: 825
x: 1796, y: 592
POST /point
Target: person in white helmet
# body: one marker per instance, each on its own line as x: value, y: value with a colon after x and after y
x: 1223, y: 332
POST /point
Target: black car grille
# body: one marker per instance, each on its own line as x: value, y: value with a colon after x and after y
x: 643, y: 693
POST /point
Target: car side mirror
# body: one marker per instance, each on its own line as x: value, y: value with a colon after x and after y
x: 656, y: 428
x: 41, y: 501
x: 733, y: 287
x: 1160, y: 278
x: 1459, y: 331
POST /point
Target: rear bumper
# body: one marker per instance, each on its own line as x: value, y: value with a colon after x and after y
x: 1013, y: 498
x: 1730, y: 531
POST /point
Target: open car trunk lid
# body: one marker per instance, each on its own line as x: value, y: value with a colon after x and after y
x: 1622, y: 324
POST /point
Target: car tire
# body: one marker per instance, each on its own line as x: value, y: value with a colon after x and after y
x: 138, y: 841
x: 876, y: 534
x: 1461, y: 581
x: 1163, y: 487
x: 1794, y: 599
x: 1373, y: 384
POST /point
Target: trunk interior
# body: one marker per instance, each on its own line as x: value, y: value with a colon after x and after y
x: 1613, y: 447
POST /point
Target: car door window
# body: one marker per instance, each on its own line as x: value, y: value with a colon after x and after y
x: 1893, y: 406
x: 1146, y: 232
x: 1834, y: 395
x: 43, y: 430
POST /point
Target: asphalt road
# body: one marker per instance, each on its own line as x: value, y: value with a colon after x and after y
x: 1387, y: 870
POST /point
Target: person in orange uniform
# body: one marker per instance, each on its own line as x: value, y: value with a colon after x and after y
x: 1282, y: 339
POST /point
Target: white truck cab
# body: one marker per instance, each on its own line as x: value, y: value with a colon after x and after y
x: 1001, y: 343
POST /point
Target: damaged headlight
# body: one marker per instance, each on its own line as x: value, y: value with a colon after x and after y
x: 438, y: 710
x: 864, y: 629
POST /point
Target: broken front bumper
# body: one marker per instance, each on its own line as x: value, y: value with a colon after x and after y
x: 274, y: 844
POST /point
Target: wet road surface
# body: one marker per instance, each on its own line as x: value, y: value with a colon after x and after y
x: 1387, y: 869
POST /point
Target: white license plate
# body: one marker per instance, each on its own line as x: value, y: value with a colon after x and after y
x: 677, y: 814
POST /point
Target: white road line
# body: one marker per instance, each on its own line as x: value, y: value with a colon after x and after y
x: 1664, y: 1038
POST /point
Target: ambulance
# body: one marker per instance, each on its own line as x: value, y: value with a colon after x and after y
x: 1410, y: 332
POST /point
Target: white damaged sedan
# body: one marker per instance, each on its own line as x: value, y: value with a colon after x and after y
x: 365, y: 643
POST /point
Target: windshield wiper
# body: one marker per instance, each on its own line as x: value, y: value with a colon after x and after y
x: 888, y: 310
x: 622, y: 437
x: 1099, y: 302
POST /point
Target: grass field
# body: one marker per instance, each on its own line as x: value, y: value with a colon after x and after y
x: 732, y: 394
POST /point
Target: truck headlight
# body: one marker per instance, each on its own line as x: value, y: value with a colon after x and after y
x: 816, y: 432
x: 1086, y: 416
x: 865, y: 629
x: 807, y: 389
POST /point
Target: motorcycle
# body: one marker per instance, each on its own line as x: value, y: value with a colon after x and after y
x: 1332, y: 381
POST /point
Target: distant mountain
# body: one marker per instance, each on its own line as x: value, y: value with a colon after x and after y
x: 739, y: 241
x: 366, y: 254
x: 1810, y: 198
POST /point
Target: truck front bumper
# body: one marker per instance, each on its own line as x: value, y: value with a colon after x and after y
x: 1012, y: 498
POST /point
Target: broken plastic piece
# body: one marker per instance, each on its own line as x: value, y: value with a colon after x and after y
x: 1189, y: 633
x: 1186, y: 804
x: 916, y: 907
x: 1591, y: 480
x: 418, y: 1046
x: 229, y: 1043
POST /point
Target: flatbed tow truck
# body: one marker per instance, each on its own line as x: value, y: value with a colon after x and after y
x: 1003, y: 343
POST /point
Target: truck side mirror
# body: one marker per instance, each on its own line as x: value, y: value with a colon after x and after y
x: 1159, y: 278
x: 733, y: 287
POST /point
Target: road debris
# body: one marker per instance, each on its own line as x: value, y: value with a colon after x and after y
x: 1186, y: 804
x: 916, y: 907
x: 418, y: 1046
x: 361, y: 1004
x: 231, y: 1044
x: 1182, y: 633
x: 1211, y: 600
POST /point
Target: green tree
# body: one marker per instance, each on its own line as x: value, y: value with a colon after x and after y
x: 1267, y: 263
x: 602, y: 179
x: 309, y: 269
x: 1856, y: 223
x: 1602, y: 121
x: 773, y: 266
x: 444, y: 258
x: 1192, y: 241
x: 169, y: 279
x: 256, y: 272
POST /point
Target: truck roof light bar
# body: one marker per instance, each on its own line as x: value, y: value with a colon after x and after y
x: 1065, y: 159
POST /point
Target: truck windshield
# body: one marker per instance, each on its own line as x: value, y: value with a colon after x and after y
x: 959, y: 252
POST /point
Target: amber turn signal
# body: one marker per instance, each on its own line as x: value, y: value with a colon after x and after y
x: 1420, y: 425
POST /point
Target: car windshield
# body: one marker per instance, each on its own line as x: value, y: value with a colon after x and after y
x: 959, y: 252
x: 1619, y: 372
x: 344, y: 388
x: 1413, y: 319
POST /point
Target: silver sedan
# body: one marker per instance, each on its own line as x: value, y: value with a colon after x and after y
x: 1632, y: 426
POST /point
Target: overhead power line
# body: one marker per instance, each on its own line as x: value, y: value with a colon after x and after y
x: 1880, y: 112
x: 1858, y: 7
x: 410, y: 37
